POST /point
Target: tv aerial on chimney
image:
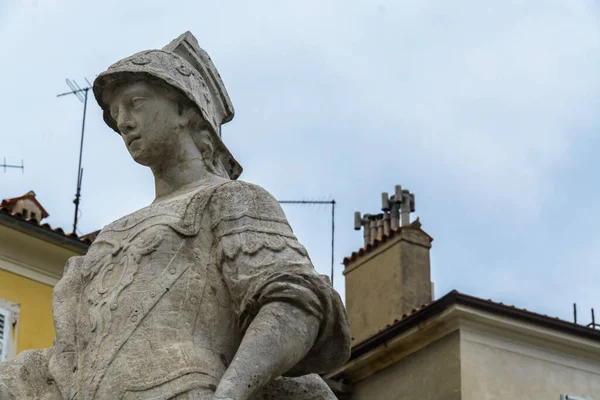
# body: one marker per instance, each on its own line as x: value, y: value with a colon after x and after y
x: 5, y: 166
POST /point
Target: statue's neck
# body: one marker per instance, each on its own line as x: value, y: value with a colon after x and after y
x: 169, y: 179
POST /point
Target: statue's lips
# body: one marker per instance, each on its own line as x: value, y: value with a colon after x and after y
x: 132, y: 139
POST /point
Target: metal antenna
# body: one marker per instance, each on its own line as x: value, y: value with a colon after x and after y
x: 5, y: 165
x: 332, y: 202
x: 593, y: 324
x: 82, y: 95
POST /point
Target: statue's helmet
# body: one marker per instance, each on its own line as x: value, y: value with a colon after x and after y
x: 183, y: 65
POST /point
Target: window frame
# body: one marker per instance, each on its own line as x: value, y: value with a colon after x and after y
x: 11, y: 312
x: 6, y: 339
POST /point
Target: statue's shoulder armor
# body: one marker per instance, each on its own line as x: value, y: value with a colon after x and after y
x: 238, y: 199
x: 245, y: 218
x: 182, y: 213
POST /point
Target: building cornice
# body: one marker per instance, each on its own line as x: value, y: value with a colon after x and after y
x: 33, y: 229
x: 459, y: 312
x: 28, y: 271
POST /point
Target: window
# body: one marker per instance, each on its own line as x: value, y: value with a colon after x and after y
x: 5, y: 334
x: 25, y: 213
x: 9, y: 326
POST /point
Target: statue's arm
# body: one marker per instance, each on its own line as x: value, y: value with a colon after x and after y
x: 65, y: 298
x: 293, y: 321
x: 278, y: 338
x: 26, y: 377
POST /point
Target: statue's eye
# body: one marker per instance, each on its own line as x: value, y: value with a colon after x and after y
x: 138, y: 101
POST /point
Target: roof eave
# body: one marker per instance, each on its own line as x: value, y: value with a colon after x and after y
x: 456, y: 298
x: 39, y: 232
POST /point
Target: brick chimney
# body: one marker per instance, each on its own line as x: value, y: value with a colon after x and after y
x: 391, y: 275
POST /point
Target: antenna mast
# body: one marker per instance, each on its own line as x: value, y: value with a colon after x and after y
x: 77, y: 91
x: 332, y: 202
x: 5, y: 165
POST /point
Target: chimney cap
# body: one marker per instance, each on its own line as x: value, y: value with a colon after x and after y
x: 357, y: 221
x: 385, y: 202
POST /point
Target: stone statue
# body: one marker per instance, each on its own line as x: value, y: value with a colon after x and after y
x: 205, y: 293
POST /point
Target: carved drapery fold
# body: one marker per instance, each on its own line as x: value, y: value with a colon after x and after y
x: 262, y: 261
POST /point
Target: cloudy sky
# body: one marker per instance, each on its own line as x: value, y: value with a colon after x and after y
x: 487, y: 111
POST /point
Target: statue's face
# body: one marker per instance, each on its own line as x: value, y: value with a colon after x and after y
x: 147, y: 119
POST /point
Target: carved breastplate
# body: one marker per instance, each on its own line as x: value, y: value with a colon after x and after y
x: 125, y: 256
x: 148, y: 282
x: 129, y: 268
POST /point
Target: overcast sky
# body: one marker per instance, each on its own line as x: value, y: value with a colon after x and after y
x: 486, y: 110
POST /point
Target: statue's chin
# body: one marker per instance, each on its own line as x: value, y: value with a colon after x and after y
x: 142, y: 161
x: 140, y: 158
x: 139, y: 155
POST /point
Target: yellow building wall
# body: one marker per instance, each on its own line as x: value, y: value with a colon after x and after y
x: 35, y: 326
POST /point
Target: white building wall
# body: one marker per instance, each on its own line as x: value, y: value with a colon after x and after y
x: 432, y: 373
x: 499, y: 366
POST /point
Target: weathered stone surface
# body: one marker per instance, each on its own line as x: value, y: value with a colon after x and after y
x: 27, y: 377
x: 206, y: 293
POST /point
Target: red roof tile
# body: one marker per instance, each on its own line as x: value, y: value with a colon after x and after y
x: 9, y: 203
x: 373, y: 245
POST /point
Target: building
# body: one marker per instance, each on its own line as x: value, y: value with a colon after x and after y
x: 32, y: 258
x: 406, y: 345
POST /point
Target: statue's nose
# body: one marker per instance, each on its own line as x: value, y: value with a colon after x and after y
x: 125, y: 122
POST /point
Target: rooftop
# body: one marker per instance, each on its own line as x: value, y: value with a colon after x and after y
x: 10, y: 204
x: 426, y: 311
x: 10, y: 216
